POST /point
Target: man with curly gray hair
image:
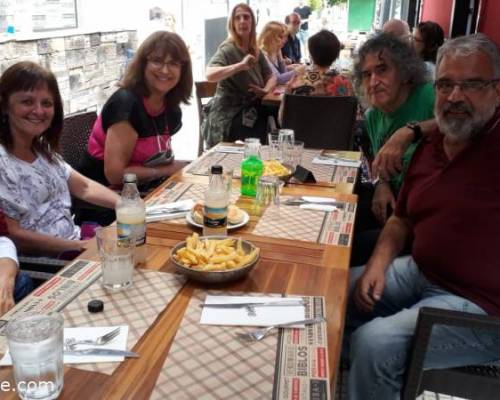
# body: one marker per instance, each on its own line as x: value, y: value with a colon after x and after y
x: 448, y: 206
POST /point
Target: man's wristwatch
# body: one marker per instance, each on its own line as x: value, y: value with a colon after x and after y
x: 417, y: 130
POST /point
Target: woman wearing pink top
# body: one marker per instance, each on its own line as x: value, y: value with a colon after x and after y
x: 139, y: 119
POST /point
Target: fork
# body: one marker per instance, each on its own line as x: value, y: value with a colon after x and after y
x: 259, y: 334
x: 106, y: 338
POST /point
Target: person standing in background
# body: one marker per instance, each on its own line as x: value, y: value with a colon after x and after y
x: 304, y: 11
x: 291, y: 50
x: 428, y: 37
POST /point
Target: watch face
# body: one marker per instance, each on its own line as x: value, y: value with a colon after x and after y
x: 412, y: 124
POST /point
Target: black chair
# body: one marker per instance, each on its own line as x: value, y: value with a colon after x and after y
x: 204, y: 90
x: 321, y: 122
x: 40, y: 269
x: 477, y: 382
x: 75, y: 136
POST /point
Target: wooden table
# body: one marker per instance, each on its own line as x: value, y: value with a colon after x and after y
x: 285, y: 266
x: 273, y: 99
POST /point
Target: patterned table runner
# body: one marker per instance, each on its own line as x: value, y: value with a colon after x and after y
x: 322, y: 173
x: 137, y: 307
x: 209, y: 362
x: 292, y: 222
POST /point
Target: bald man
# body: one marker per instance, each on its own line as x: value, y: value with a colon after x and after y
x: 398, y: 28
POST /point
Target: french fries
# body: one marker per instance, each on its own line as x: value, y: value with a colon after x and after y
x: 275, y: 168
x: 214, y: 255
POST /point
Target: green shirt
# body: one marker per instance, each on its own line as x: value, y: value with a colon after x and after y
x: 380, y: 125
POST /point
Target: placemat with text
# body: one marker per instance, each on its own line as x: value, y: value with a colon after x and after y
x: 295, y: 223
x: 137, y: 306
x: 210, y: 362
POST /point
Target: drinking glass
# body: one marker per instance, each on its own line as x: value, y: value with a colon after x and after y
x: 274, y: 147
x: 268, y: 192
x: 286, y: 139
x: 251, y: 145
x: 36, y: 348
x: 117, y: 258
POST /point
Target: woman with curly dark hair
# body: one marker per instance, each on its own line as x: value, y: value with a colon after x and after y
x: 427, y: 39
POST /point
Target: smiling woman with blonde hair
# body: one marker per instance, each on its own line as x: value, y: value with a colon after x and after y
x: 243, y: 77
x: 271, y: 41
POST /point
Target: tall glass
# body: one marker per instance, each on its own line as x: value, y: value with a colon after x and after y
x: 274, y: 147
x: 268, y: 192
x: 117, y: 258
x: 293, y: 156
x: 286, y: 139
x: 36, y: 348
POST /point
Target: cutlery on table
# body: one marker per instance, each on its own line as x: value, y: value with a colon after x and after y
x: 101, y: 352
x: 259, y: 334
x: 245, y: 305
x: 333, y: 156
x: 167, y: 210
x: 297, y: 201
x: 99, y: 341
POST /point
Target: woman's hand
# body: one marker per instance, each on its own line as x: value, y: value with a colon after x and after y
x: 248, y: 62
x: 382, y: 198
x: 8, y: 272
x: 257, y: 90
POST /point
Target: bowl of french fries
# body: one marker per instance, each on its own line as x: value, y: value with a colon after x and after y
x: 214, y: 259
x: 275, y: 168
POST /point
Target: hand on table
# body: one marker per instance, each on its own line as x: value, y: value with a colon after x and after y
x: 382, y: 198
x: 389, y: 159
x: 257, y: 90
x: 369, y: 289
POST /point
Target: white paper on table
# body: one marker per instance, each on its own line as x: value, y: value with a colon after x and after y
x: 337, y: 162
x: 265, y: 316
x: 84, y: 333
x: 229, y: 149
x: 184, y: 204
x: 318, y: 207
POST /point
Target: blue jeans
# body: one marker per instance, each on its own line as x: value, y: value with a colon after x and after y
x: 379, y: 343
x: 22, y: 286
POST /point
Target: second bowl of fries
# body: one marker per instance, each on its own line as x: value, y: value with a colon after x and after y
x: 214, y: 258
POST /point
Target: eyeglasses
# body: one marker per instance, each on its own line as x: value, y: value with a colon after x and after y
x: 159, y: 64
x: 468, y: 86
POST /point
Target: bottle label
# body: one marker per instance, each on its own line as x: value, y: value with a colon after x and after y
x: 128, y: 230
x: 215, y: 217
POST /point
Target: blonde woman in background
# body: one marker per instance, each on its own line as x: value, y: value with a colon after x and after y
x: 271, y: 40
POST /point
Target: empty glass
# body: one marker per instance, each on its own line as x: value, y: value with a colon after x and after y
x: 268, y: 192
x: 286, y: 139
x: 36, y: 348
x: 274, y: 147
x: 117, y: 258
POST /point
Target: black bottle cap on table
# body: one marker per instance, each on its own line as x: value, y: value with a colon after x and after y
x: 216, y: 169
x: 95, y: 306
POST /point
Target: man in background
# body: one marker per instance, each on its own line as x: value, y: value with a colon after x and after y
x: 399, y: 29
x: 291, y: 50
x: 304, y: 11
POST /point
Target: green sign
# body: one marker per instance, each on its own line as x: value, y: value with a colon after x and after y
x: 361, y: 14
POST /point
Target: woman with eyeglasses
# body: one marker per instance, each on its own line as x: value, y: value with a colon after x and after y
x: 243, y: 77
x: 133, y: 132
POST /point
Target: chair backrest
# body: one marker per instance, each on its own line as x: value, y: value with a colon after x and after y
x: 204, y: 90
x: 322, y: 122
x: 75, y: 136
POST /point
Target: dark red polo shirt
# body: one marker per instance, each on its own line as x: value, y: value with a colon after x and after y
x: 455, y: 210
x: 3, y: 225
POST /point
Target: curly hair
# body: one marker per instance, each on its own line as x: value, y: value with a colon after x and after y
x: 161, y: 43
x: 411, y: 69
x: 28, y: 76
x: 433, y: 37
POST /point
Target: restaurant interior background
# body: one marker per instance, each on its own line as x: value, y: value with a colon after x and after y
x: 87, y: 43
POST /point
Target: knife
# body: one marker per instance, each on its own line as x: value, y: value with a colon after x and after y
x: 243, y: 305
x: 101, y: 352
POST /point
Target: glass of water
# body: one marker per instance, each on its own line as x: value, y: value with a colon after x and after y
x: 286, y: 139
x: 268, y: 192
x: 36, y: 348
x: 117, y: 258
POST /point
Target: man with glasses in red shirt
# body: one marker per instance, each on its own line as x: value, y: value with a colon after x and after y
x: 449, y: 207
x: 291, y: 50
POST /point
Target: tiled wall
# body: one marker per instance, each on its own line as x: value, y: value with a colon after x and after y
x: 87, y: 66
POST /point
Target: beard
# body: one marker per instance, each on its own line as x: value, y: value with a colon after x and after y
x: 462, y: 129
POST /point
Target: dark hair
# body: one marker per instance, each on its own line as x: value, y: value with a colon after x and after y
x: 433, y: 37
x: 162, y: 43
x: 233, y: 36
x: 324, y: 48
x: 28, y: 76
x: 287, y: 18
x: 410, y: 67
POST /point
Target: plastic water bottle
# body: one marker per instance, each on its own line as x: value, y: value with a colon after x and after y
x: 131, y: 216
x: 216, y: 202
x: 252, y: 168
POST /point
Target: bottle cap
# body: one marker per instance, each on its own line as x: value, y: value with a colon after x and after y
x: 95, y: 306
x: 216, y: 169
x: 130, y: 178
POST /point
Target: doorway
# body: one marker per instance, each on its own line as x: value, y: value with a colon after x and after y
x: 464, y: 18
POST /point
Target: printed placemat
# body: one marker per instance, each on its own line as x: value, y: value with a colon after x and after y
x: 137, y: 307
x: 170, y: 193
x: 209, y: 362
x: 295, y: 223
x: 322, y: 172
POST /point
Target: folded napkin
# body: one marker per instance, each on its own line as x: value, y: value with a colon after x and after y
x: 319, y: 207
x: 87, y: 332
x: 335, y: 161
x: 265, y: 316
x: 163, y: 212
x: 229, y: 149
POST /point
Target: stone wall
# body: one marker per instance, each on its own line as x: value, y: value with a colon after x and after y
x: 87, y: 66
